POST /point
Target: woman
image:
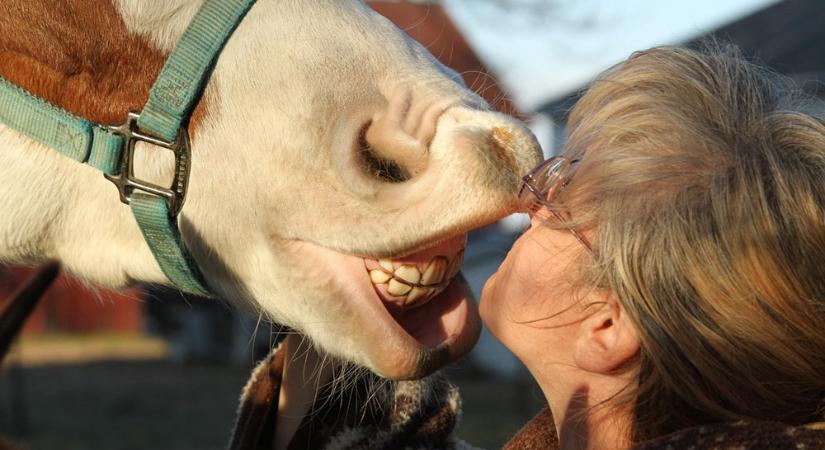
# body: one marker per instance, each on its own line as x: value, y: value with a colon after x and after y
x: 673, y: 276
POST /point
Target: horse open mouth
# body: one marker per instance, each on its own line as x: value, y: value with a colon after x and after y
x: 402, y: 317
x: 414, y: 290
x: 427, y: 297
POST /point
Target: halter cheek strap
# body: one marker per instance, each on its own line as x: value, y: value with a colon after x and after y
x: 162, y: 123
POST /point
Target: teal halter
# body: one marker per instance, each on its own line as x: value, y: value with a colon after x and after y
x: 162, y: 122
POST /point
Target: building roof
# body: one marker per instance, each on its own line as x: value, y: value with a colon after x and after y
x: 787, y: 36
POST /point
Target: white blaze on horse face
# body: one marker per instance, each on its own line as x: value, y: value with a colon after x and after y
x: 329, y: 137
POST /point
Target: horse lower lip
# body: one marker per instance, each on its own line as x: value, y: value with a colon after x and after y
x: 444, y: 330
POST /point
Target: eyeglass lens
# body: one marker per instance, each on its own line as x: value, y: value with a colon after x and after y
x: 542, y: 183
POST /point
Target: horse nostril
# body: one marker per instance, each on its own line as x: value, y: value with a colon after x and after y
x: 375, y: 165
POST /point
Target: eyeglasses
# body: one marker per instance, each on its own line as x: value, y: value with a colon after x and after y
x: 540, y: 187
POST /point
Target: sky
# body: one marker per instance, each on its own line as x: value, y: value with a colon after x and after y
x: 543, y: 56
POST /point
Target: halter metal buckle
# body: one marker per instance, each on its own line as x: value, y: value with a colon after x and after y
x: 127, y: 183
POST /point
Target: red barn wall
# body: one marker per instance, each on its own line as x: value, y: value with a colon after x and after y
x: 69, y: 306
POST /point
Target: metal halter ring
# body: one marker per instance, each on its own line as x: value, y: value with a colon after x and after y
x: 125, y: 179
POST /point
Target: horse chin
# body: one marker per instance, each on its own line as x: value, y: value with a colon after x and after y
x: 445, y: 329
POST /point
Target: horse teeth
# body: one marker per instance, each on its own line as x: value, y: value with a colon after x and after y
x: 416, y: 294
x: 386, y: 264
x: 397, y: 288
x: 409, y: 283
x: 435, y: 271
x: 410, y: 274
x: 379, y: 276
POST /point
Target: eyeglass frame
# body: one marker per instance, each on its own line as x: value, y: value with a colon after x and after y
x: 562, y: 173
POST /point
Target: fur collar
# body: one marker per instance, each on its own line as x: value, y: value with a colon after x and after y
x: 371, y: 414
x: 421, y: 415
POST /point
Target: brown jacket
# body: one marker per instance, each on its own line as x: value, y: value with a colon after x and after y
x: 420, y: 415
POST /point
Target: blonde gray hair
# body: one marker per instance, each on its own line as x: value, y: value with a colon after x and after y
x: 703, y: 183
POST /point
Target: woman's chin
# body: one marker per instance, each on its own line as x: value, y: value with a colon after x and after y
x: 485, y: 303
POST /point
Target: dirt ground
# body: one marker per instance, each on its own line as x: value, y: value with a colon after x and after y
x: 153, y: 404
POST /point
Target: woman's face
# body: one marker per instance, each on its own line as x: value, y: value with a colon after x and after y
x: 530, y: 303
